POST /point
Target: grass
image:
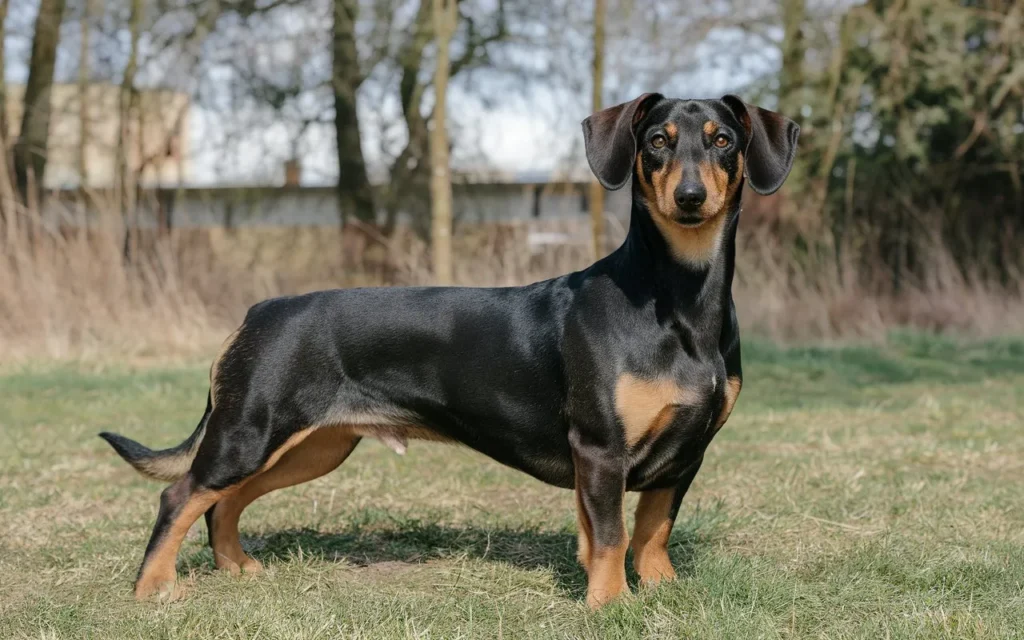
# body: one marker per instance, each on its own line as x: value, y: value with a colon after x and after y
x: 855, y: 493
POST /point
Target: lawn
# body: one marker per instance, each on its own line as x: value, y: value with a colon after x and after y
x: 855, y: 493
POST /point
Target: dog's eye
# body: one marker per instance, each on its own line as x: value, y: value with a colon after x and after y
x: 722, y: 141
x: 658, y: 141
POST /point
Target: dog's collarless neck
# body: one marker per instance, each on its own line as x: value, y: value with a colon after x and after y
x: 648, y: 259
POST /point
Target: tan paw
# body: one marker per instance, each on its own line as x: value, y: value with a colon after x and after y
x: 252, y: 566
x: 162, y: 587
x: 598, y: 597
x: 654, y: 567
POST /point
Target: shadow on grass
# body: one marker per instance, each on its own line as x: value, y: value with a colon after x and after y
x: 409, y: 542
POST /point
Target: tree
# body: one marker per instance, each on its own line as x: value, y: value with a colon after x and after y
x: 6, y: 197
x: 3, y: 83
x: 33, y: 137
x: 411, y: 166
x: 127, y: 105
x: 914, y: 134
x: 791, y: 78
x: 84, y: 32
x: 445, y: 19
x: 353, y: 189
x: 596, y: 190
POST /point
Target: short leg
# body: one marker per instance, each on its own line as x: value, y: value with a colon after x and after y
x: 319, y: 454
x: 600, y: 485
x: 216, y: 473
x: 655, y: 515
x: 181, y: 504
x: 654, y: 519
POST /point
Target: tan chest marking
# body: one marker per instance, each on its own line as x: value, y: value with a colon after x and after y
x: 732, y: 391
x: 646, y: 407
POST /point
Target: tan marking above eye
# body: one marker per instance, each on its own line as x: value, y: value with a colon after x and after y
x: 671, y: 129
x: 710, y: 127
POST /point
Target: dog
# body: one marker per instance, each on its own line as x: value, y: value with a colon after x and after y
x: 607, y: 380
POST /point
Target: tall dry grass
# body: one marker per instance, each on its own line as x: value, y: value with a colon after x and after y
x: 786, y: 293
x: 74, y: 290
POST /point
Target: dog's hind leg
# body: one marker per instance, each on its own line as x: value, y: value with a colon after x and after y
x: 181, y: 504
x: 226, y: 458
x: 318, y: 454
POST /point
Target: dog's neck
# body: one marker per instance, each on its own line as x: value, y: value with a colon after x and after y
x: 648, y: 256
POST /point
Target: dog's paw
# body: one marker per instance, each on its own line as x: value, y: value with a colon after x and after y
x: 252, y: 566
x: 159, y: 589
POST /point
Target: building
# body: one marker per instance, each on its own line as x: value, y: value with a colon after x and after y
x: 156, y: 144
x: 158, y: 151
x: 475, y: 199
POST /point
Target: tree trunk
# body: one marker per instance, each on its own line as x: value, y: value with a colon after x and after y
x: 3, y: 83
x: 794, y: 47
x: 411, y: 169
x: 445, y: 17
x: 127, y: 103
x: 6, y: 196
x: 85, y: 31
x: 354, y: 193
x: 596, y: 190
x: 30, y: 150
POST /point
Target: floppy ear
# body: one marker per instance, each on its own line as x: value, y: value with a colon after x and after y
x: 771, y: 144
x: 610, y: 139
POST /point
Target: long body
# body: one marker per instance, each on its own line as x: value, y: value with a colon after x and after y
x: 612, y: 379
x: 512, y: 372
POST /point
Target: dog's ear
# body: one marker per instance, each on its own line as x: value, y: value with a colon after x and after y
x: 771, y: 144
x: 610, y: 139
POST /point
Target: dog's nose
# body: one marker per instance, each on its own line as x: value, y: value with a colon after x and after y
x: 689, y: 196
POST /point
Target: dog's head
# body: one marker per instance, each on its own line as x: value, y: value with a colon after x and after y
x: 689, y: 157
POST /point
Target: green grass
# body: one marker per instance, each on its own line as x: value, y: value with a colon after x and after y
x: 855, y: 493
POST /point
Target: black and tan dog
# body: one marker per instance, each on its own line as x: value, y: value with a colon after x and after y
x: 608, y: 380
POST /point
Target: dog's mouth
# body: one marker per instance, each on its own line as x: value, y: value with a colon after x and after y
x: 689, y: 219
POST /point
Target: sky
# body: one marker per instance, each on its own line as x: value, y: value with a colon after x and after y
x: 495, y: 122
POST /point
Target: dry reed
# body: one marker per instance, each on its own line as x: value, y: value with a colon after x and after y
x: 75, y: 291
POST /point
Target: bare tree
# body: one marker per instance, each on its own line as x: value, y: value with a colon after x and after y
x: 3, y: 83
x: 354, y: 192
x: 30, y: 150
x: 85, y: 31
x: 411, y: 166
x: 791, y: 78
x: 445, y: 13
x: 6, y: 198
x: 127, y: 105
x: 596, y: 190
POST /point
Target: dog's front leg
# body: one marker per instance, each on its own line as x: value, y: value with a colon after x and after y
x: 600, y: 485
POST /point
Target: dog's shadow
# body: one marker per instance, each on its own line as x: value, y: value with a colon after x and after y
x: 395, y: 544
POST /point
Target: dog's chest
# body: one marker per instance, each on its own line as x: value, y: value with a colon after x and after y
x: 668, y: 419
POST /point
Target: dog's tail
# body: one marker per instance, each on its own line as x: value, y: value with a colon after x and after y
x: 168, y: 464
